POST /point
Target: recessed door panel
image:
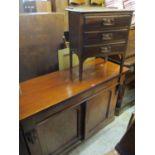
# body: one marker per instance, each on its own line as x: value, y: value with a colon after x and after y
x: 57, y: 131
x: 99, y: 110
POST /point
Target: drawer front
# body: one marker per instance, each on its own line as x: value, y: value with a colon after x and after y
x: 105, y: 36
x: 99, y: 22
x: 100, y: 50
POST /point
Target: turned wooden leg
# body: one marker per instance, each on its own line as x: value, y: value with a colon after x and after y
x: 80, y: 69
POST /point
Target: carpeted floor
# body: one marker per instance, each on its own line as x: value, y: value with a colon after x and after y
x: 106, y: 139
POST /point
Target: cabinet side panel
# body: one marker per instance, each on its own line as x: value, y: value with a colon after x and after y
x: 75, y: 30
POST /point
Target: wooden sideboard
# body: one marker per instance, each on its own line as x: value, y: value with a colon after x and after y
x: 98, y: 31
x: 57, y: 113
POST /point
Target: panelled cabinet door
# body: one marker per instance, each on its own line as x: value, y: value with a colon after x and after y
x: 56, y: 134
x: 99, y: 110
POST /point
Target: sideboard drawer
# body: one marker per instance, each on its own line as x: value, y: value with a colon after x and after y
x: 99, y: 22
x: 108, y: 36
x: 90, y: 51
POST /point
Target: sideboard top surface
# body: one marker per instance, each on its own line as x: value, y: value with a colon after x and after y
x: 89, y: 9
x: 48, y: 90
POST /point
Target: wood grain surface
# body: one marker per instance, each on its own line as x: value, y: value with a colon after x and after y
x: 40, y: 35
x: 48, y: 90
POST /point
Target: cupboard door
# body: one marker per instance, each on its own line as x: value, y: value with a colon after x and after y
x: 57, y: 133
x: 100, y: 110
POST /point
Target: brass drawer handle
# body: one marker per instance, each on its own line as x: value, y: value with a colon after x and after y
x: 108, y: 21
x: 106, y: 49
x: 107, y: 36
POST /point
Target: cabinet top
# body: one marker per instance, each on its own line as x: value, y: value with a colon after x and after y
x: 89, y: 9
x: 48, y: 90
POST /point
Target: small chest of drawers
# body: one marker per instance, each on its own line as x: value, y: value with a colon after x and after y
x: 97, y: 31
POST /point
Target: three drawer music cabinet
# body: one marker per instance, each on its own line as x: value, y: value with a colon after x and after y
x: 98, y: 31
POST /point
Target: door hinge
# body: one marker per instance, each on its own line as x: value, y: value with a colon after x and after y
x: 31, y: 136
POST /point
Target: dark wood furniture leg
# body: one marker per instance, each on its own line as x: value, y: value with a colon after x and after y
x: 80, y: 68
x: 71, y: 63
x: 122, y: 89
x: 122, y: 63
x: 121, y: 70
x: 126, y: 96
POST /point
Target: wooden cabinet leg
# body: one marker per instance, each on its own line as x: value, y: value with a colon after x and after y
x: 71, y: 63
x: 121, y: 67
x: 122, y: 63
x: 80, y: 69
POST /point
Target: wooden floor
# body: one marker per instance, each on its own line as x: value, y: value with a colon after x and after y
x: 106, y: 139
